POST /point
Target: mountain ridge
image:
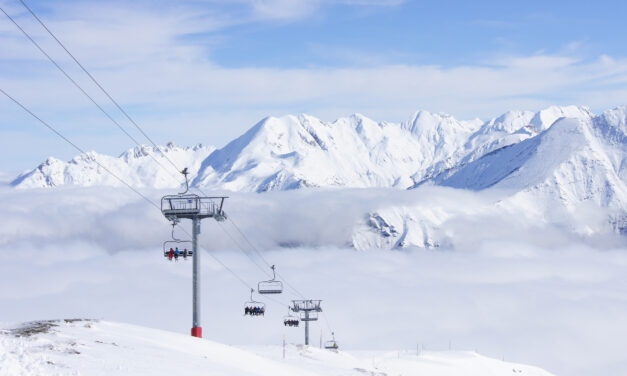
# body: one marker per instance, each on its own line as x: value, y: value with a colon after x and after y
x: 553, y: 160
x: 296, y: 151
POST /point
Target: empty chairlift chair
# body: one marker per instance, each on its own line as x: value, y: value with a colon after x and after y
x: 332, y: 344
x: 272, y: 286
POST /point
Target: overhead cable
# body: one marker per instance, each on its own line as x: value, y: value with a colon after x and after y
x: 98, y: 84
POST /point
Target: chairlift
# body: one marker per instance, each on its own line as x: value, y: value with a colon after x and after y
x: 272, y: 286
x: 332, y: 344
x: 183, y: 246
x: 291, y: 320
x: 254, y: 308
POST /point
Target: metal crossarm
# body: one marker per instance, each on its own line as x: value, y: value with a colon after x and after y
x: 308, y: 311
x: 176, y: 207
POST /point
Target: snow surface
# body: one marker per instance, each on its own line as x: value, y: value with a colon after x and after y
x: 73, y: 347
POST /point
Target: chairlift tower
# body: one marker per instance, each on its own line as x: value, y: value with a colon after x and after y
x: 190, y: 206
x: 308, y: 311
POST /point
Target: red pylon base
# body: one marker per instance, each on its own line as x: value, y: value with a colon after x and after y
x: 197, y: 332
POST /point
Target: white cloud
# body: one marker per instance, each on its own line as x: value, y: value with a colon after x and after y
x: 284, y: 9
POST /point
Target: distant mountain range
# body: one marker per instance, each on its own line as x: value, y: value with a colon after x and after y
x: 302, y: 151
x: 565, y: 155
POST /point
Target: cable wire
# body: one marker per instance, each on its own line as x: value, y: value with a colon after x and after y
x: 240, y: 279
x: 107, y: 115
x: 67, y: 140
x: 264, y: 260
x: 83, y: 90
x: 133, y: 139
x: 134, y: 123
x: 78, y: 148
x: 98, y: 84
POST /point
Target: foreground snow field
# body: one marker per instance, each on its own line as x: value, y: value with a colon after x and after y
x: 74, y: 347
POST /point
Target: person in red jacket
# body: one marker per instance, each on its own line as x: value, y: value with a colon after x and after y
x: 171, y: 254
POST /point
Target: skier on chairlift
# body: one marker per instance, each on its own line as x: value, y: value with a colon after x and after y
x: 171, y: 254
x: 177, y: 253
x: 185, y: 253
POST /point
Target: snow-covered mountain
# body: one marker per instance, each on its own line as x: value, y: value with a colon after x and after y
x: 72, y: 347
x: 571, y: 174
x: 303, y: 151
x: 557, y: 160
x: 573, y: 161
x: 143, y: 166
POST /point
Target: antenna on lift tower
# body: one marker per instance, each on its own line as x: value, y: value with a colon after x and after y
x: 190, y: 206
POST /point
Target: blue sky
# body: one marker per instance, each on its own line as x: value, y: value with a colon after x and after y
x: 205, y: 71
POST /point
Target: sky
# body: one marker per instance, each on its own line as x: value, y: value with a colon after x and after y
x: 205, y: 71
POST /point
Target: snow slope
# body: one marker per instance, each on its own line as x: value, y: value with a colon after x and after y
x: 69, y: 347
x: 143, y: 166
x: 302, y: 151
x: 572, y: 160
x: 571, y: 174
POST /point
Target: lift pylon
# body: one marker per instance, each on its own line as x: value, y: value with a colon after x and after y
x: 308, y: 310
x: 190, y: 206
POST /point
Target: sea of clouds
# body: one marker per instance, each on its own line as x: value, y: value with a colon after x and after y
x: 505, y: 286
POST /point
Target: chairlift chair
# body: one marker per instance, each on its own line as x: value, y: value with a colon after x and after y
x: 332, y: 344
x: 272, y: 286
x: 289, y: 318
x: 253, y: 304
x: 177, y: 243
